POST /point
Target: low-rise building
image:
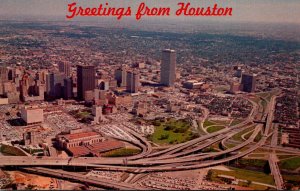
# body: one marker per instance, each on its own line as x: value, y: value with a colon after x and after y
x: 235, y: 87
x: 79, y: 143
x: 192, y: 84
x: 3, y: 101
x: 76, y: 139
x: 32, y: 115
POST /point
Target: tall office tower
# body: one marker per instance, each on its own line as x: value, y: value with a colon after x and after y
x: 54, y: 85
x: 86, y: 80
x: 133, y: 82
x: 68, y: 88
x: 24, y: 85
x: 65, y: 68
x: 39, y: 90
x: 41, y: 76
x: 3, y: 74
x: 168, y: 67
x: 238, y: 72
x: 48, y: 83
x: 121, y: 77
x: 11, y: 74
x: 103, y: 85
x: 249, y: 82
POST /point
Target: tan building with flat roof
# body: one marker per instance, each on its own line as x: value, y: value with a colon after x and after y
x: 32, y: 115
x: 3, y: 101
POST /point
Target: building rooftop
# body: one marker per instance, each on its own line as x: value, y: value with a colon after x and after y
x: 80, y: 135
x: 105, y: 146
x: 96, y: 148
x: 79, y: 151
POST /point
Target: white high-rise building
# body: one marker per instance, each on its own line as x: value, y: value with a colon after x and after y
x: 97, y: 113
x: 168, y: 68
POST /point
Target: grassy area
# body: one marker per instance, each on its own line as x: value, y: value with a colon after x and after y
x: 221, y: 122
x: 255, y: 99
x: 83, y: 114
x: 229, y: 145
x: 172, y: 132
x: 213, y: 129
x: 209, y: 149
x: 258, y: 137
x: 257, y: 155
x: 123, y: 152
x: 253, y: 186
x: 282, y: 157
x: 268, y: 95
x: 235, y: 122
x: 290, y: 164
x: 32, y: 151
x: 253, y: 162
x: 10, y: 150
x: 238, y: 136
x: 248, y: 135
x: 264, y: 94
x: 243, y: 175
x: 264, y: 104
x: 208, y: 123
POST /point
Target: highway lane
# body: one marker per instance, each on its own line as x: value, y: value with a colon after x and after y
x: 270, y: 111
x: 274, y: 137
x: 92, y: 162
x: 165, y: 164
x: 197, y: 148
x: 147, y: 147
x: 182, y: 146
x: 276, y: 171
x: 201, y: 156
x: 84, y: 179
x: 143, y: 144
x: 185, y: 145
x: 203, y: 164
x: 283, y: 149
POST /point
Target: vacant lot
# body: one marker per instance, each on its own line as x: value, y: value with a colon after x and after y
x: 123, y: 152
x: 290, y: 164
x: 242, y: 174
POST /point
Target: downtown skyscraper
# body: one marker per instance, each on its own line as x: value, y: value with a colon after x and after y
x: 85, y: 80
x: 168, y: 68
x: 249, y: 82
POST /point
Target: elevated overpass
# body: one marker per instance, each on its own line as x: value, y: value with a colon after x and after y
x: 276, y: 171
x: 84, y: 179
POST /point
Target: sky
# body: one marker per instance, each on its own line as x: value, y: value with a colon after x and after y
x: 273, y: 11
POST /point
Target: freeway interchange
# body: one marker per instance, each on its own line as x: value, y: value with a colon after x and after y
x: 184, y: 156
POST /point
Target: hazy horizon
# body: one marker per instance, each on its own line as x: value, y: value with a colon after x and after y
x: 267, y: 11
